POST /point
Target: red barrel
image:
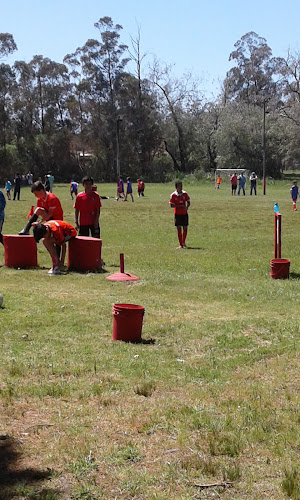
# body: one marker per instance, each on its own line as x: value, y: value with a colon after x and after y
x: 280, y: 268
x: 127, y: 322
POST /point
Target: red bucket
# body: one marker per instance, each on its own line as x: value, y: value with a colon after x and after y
x: 280, y: 268
x: 127, y: 322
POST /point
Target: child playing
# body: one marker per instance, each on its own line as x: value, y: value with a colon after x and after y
x: 73, y: 188
x: 48, y: 206
x: 87, y: 210
x: 120, y: 188
x: 294, y: 194
x: 55, y: 233
x: 180, y: 201
x: 140, y: 187
x: 128, y: 189
x: 8, y: 188
x: 218, y: 182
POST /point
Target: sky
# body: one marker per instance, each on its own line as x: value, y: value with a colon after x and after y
x: 194, y: 36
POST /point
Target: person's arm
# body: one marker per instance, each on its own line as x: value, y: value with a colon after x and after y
x: 97, y: 215
x: 188, y: 204
x: 63, y: 254
x: 76, y: 215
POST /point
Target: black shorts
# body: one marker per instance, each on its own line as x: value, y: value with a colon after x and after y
x: 233, y: 187
x: 181, y: 219
x: 85, y: 231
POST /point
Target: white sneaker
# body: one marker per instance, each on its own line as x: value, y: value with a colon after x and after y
x: 54, y: 270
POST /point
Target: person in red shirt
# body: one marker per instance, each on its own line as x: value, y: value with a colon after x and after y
x: 47, y: 206
x: 140, y: 187
x: 233, y: 180
x: 180, y: 202
x: 87, y: 210
x: 55, y: 233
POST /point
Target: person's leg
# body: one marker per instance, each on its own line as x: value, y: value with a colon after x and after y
x: 84, y: 231
x: 131, y: 197
x: 244, y: 193
x: 184, y: 235
x: 51, y: 247
x: 180, y: 236
x: 27, y: 227
x: 239, y: 190
x: 95, y: 232
x: 1, y: 226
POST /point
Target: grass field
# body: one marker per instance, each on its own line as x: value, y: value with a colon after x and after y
x: 212, y: 395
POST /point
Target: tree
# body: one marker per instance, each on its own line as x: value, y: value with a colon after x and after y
x: 253, y: 78
x: 179, y: 95
x: 7, y: 44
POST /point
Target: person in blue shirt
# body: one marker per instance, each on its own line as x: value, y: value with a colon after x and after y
x: 242, y: 182
x: 128, y: 189
x: 2, y: 215
x: 294, y: 194
x: 8, y: 188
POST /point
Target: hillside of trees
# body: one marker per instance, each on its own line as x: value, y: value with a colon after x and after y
x: 91, y: 114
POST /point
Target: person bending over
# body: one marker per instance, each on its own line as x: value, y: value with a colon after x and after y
x: 55, y: 234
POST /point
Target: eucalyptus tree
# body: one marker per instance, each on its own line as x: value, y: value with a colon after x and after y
x: 103, y: 61
x: 179, y: 96
x: 255, y: 80
x: 7, y: 45
x: 7, y: 83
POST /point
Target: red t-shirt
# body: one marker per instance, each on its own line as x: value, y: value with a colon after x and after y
x: 233, y: 179
x: 180, y: 202
x: 51, y: 201
x: 87, y: 205
x: 60, y: 229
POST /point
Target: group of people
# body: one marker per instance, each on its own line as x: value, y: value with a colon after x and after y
x: 121, y: 192
x: 52, y: 228
x: 240, y: 182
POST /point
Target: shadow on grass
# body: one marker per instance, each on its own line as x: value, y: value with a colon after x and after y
x: 294, y: 276
x: 13, y: 478
x: 195, y: 248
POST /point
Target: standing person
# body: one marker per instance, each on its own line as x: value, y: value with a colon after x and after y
x: 17, y: 187
x: 73, y: 188
x: 87, y: 210
x: 253, y: 178
x: 8, y: 188
x: 55, y: 234
x: 242, y: 183
x: 2, y: 214
x: 51, y: 181
x: 294, y: 194
x: 142, y: 187
x: 30, y: 179
x: 47, y: 206
x: 47, y: 183
x: 218, y: 182
x: 128, y: 189
x: 180, y: 202
x: 233, y: 180
x: 120, y: 188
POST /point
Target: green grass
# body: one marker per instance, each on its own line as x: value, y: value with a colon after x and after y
x: 212, y: 395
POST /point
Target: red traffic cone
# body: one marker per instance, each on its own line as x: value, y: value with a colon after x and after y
x: 30, y: 213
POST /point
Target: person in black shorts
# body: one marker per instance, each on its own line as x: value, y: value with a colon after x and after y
x: 180, y: 202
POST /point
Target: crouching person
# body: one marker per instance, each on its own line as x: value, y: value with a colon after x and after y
x: 55, y: 234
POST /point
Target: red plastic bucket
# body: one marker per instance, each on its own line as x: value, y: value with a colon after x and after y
x: 280, y: 268
x: 127, y: 322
